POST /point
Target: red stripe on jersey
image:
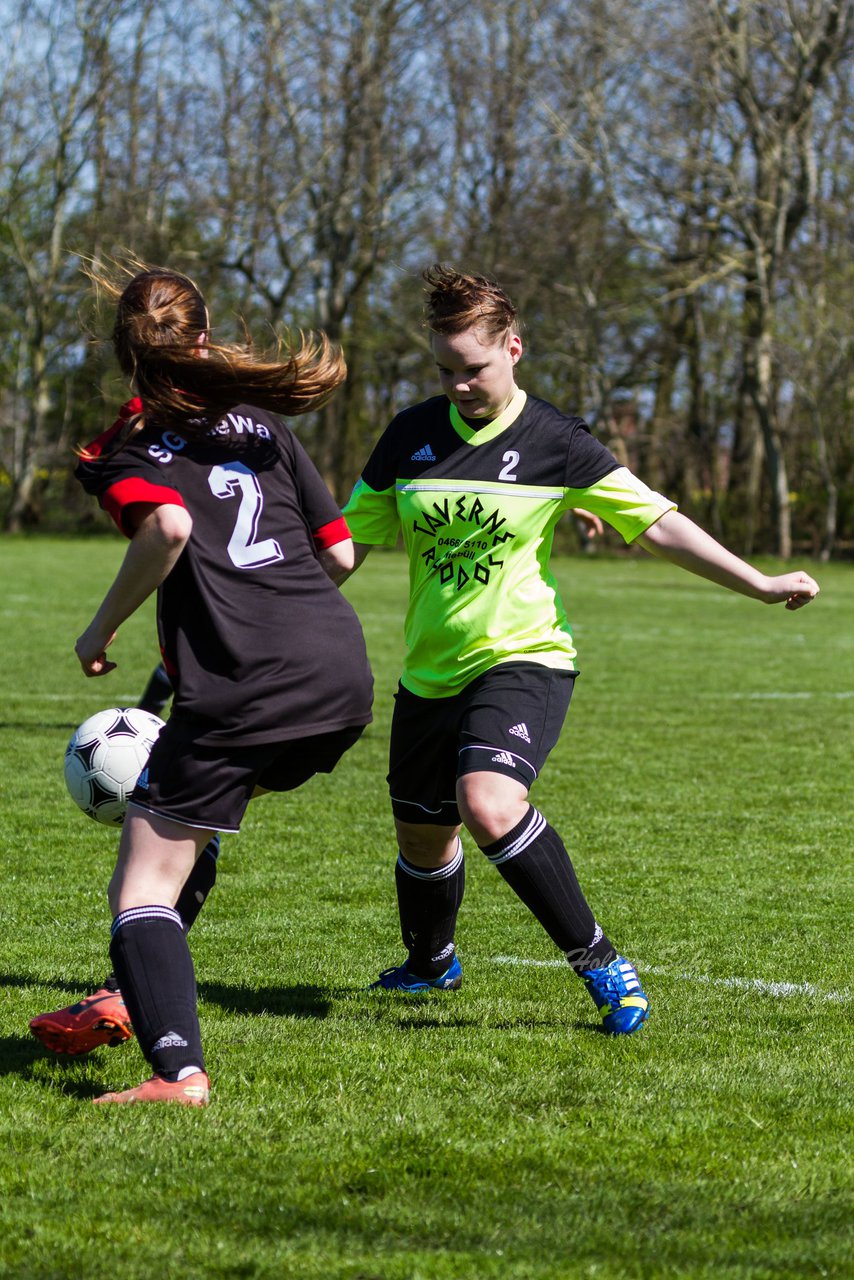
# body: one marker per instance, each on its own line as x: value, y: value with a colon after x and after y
x: 97, y: 446
x: 328, y: 534
x: 171, y: 669
x: 124, y: 493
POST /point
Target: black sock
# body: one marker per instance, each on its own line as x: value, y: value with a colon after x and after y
x: 198, y: 884
x: 192, y: 897
x: 157, y: 692
x: 428, y: 902
x: 152, y: 963
x: 534, y: 862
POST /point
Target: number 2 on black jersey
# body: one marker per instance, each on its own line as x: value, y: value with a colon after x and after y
x: 511, y: 457
x: 243, y: 550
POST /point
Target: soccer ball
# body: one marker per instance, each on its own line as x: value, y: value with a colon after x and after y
x: 104, y: 759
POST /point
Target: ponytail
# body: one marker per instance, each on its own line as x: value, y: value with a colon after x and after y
x: 184, y: 381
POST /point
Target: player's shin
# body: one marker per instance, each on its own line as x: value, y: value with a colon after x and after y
x: 193, y: 896
x: 154, y: 969
x: 428, y: 901
x: 533, y: 860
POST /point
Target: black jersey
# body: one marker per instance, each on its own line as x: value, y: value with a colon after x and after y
x: 259, y: 642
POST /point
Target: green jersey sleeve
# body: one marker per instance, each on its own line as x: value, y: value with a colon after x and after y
x: 372, y: 517
x: 624, y: 501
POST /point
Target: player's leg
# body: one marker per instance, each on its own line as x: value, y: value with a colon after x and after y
x: 513, y: 720
x: 102, y: 1018
x: 199, y: 883
x: 157, y: 691
x: 149, y: 949
x: 430, y: 882
x: 151, y: 959
x: 430, y: 869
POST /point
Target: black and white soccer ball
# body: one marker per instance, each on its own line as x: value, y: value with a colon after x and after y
x: 105, y: 757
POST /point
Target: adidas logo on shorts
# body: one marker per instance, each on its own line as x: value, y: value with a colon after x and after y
x: 424, y: 454
x: 504, y: 757
x: 520, y: 731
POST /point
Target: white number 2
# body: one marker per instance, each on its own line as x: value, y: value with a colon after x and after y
x: 244, y: 551
x: 511, y: 457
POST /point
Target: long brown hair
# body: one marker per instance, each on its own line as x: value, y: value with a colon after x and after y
x: 161, y: 340
x: 456, y: 302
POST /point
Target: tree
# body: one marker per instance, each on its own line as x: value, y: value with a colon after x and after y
x: 48, y: 112
x: 771, y: 61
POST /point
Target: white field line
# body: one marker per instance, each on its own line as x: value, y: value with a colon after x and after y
x: 777, y: 695
x: 759, y: 985
x: 119, y: 699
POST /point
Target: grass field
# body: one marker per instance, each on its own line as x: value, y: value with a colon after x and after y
x: 703, y: 785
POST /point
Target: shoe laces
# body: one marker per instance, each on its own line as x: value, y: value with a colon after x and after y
x: 392, y: 972
x: 608, y: 986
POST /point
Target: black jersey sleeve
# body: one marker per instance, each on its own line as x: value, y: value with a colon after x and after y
x: 383, y: 466
x: 122, y: 479
x: 321, y: 510
x: 587, y: 459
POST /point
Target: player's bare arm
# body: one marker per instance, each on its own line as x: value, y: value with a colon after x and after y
x: 160, y: 537
x: 339, y: 560
x: 338, y: 572
x: 677, y: 539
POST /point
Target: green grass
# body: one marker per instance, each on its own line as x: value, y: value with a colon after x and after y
x: 703, y: 785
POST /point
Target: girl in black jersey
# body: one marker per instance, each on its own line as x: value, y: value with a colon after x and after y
x: 231, y: 524
x: 475, y: 481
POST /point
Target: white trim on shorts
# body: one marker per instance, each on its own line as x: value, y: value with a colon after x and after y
x: 504, y: 751
x: 180, y: 822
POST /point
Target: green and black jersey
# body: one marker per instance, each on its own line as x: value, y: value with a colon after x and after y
x: 477, y: 509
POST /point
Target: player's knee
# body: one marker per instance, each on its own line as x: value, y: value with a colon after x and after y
x: 490, y: 804
x: 427, y: 846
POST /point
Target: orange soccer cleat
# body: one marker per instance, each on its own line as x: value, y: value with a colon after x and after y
x: 101, y: 1018
x: 193, y: 1091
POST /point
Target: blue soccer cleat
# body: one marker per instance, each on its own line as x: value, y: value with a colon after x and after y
x: 402, y: 979
x: 618, y: 995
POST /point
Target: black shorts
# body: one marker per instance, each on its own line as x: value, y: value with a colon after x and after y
x: 506, y: 721
x: 210, y: 787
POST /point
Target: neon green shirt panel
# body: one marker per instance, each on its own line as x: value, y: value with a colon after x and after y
x: 625, y: 502
x: 480, y: 588
x: 372, y: 516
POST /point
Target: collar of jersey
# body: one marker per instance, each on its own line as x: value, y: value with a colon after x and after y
x: 505, y: 419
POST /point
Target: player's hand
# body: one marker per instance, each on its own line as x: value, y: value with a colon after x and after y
x: 591, y: 524
x: 796, y: 589
x: 91, y: 650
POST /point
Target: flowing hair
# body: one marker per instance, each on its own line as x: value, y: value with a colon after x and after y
x: 161, y: 338
x: 456, y: 302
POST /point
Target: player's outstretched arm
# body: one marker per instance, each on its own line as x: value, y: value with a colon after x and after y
x: 160, y: 537
x: 676, y: 538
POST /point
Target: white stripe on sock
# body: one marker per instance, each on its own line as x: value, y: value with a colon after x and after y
x: 532, y: 831
x: 433, y: 873
x: 134, y: 915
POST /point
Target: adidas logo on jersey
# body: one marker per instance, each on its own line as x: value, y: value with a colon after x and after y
x: 504, y: 757
x: 424, y: 454
x: 520, y: 731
